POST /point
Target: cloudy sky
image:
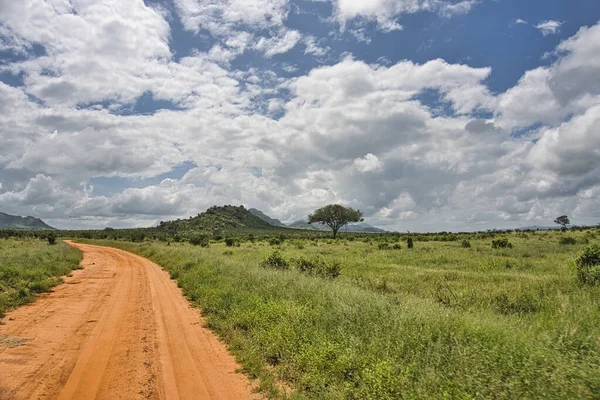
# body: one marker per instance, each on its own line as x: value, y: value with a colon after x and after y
x: 424, y: 114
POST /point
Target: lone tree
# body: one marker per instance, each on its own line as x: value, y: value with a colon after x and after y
x: 335, y: 216
x: 563, y: 221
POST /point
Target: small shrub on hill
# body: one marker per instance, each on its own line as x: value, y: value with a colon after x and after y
x: 588, y: 266
x: 466, y: 244
x: 229, y: 242
x: 274, y: 242
x: 502, y: 243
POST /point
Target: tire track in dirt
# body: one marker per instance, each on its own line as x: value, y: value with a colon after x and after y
x: 117, y: 329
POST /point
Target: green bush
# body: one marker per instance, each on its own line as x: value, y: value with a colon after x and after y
x: 383, y: 246
x: 396, y: 246
x: 229, y: 242
x: 51, y: 239
x: 274, y: 242
x: 466, y: 244
x: 502, y: 243
x: 588, y: 266
x: 199, y: 240
x: 409, y: 243
x: 276, y: 261
x: 318, y: 267
x: 567, y: 240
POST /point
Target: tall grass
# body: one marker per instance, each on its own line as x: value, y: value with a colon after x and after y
x: 435, y: 321
x: 31, y: 266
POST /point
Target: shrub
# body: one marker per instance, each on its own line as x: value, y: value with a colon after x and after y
x: 466, y: 244
x: 274, y: 242
x: 199, y: 240
x: 276, y: 261
x: 383, y: 246
x: 588, y: 266
x: 409, y: 243
x: 51, y: 239
x: 229, y: 242
x: 318, y: 267
x: 396, y: 246
x: 502, y: 243
x: 566, y: 240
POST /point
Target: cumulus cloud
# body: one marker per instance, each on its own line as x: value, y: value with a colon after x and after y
x: 549, y: 27
x: 352, y: 132
x: 279, y: 44
x: 385, y: 12
x: 370, y: 163
x: 238, y: 24
x: 549, y: 94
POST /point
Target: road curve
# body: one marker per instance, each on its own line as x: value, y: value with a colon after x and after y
x: 117, y: 329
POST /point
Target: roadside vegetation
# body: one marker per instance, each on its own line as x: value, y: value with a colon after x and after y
x: 29, y: 266
x: 481, y: 315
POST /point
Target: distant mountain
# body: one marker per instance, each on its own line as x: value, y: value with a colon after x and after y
x: 301, y: 224
x: 22, y: 223
x: 360, y: 227
x: 538, y: 228
x: 266, y: 218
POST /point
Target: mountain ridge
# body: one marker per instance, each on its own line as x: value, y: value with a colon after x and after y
x: 267, y: 219
x: 16, y: 222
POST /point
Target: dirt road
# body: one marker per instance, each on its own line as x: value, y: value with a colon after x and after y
x: 117, y: 329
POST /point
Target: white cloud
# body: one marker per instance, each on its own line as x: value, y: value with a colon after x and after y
x: 313, y: 47
x: 240, y: 23
x: 385, y: 12
x: 220, y: 17
x: 369, y: 163
x: 520, y: 21
x: 282, y: 43
x: 337, y: 127
x: 549, y: 27
x: 570, y: 85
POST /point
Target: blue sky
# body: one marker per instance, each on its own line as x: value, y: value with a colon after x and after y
x: 426, y: 115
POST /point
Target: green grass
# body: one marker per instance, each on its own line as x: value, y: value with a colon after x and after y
x: 31, y: 266
x: 437, y: 321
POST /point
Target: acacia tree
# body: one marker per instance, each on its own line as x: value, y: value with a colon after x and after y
x: 563, y: 221
x: 335, y: 216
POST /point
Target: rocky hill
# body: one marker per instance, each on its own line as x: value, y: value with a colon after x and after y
x: 16, y: 222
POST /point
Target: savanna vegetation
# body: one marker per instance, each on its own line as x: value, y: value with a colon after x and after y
x: 29, y: 266
x: 510, y: 314
x: 481, y: 315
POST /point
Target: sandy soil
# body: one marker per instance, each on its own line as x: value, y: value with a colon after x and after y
x: 117, y: 329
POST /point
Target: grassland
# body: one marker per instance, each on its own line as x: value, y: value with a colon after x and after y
x: 29, y: 266
x: 436, y: 321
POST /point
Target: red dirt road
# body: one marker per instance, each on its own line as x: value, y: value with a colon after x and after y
x: 117, y: 329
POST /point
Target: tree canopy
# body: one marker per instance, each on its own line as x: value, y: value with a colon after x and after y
x: 563, y: 221
x: 335, y: 216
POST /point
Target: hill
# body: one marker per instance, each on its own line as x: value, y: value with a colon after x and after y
x: 266, y: 218
x: 218, y: 219
x: 16, y: 222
